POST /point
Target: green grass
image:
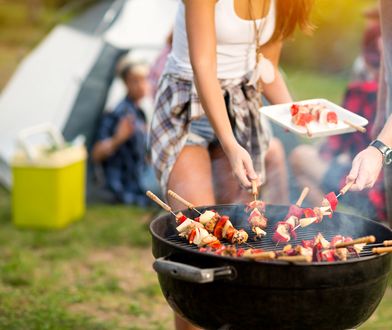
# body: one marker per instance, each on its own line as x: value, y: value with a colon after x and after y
x: 95, y: 274
x: 305, y: 84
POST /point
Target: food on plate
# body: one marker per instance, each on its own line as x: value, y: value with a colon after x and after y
x: 304, y: 114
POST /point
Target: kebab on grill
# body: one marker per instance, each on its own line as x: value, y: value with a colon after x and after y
x: 220, y: 226
x: 195, y: 232
x: 285, y: 229
x: 317, y: 249
x: 257, y: 219
x: 192, y: 230
x: 214, y: 223
x: 328, y: 206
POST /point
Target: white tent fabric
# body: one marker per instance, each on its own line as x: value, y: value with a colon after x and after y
x: 142, y: 24
x: 49, y: 81
x: 45, y: 85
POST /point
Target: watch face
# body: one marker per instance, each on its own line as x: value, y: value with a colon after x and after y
x: 388, y: 157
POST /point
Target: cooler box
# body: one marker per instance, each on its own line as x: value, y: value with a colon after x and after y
x: 48, y: 184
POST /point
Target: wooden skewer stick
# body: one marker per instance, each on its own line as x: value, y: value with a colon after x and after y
x: 296, y: 258
x: 303, y: 195
x: 382, y: 250
x: 182, y: 200
x: 255, y: 191
x: 366, y: 239
x: 259, y: 255
x: 299, y: 202
x: 308, y: 131
x: 357, y: 127
x: 387, y: 243
x: 159, y: 202
x: 345, y: 189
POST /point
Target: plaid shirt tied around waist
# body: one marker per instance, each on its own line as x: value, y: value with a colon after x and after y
x: 177, y: 104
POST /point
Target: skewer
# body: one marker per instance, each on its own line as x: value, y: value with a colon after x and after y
x: 341, y: 193
x: 357, y: 127
x: 385, y: 243
x: 302, y: 197
x: 345, y: 189
x: 360, y: 240
x: 299, y: 202
x: 308, y: 131
x: 254, y: 189
x: 296, y: 258
x: 159, y: 202
x: 251, y: 246
x: 382, y: 250
x: 260, y: 255
x: 183, y: 201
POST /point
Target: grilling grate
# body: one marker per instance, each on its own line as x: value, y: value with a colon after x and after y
x: 267, y: 244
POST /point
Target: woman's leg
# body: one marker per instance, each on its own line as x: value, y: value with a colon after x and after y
x: 191, y: 179
x: 276, y: 187
x: 226, y: 186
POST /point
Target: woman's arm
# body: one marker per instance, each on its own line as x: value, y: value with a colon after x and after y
x: 368, y: 163
x: 277, y: 91
x: 200, y: 25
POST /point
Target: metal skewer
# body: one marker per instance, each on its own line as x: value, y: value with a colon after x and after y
x: 255, y: 191
x: 183, y: 201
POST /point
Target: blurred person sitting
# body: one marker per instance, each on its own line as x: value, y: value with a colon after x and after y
x: 325, y: 169
x: 120, y: 145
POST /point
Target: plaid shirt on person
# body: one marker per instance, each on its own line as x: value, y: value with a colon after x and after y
x: 177, y: 104
x: 361, y: 98
x: 122, y: 169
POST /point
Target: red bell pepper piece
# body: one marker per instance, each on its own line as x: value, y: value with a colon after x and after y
x: 294, y: 210
x: 191, y: 236
x: 294, y: 109
x: 332, y: 199
x: 181, y: 219
x: 332, y: 117
x: 219, y: 227
x: 309, y: 213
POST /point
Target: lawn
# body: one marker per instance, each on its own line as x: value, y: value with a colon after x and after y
x: 95, y: 275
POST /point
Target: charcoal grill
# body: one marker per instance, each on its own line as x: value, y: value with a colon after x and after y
x: 218, y: 292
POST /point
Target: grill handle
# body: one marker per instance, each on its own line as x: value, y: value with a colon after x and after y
x: 193, y: 274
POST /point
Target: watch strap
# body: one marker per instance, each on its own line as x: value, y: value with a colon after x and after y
x: 384, y: 149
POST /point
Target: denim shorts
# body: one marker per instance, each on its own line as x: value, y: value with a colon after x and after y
x: 201, y: 133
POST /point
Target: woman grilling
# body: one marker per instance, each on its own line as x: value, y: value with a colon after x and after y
x: 206, y: 125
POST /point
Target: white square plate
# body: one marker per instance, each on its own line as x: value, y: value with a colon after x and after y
x: 281, y: 115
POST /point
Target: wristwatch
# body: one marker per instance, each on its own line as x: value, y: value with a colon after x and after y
x: 384, y: 149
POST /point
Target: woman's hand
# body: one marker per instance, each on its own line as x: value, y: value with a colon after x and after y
x: 242, y: 165
x: 365, y: 169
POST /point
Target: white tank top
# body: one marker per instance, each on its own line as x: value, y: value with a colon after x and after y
x: 235, y: 41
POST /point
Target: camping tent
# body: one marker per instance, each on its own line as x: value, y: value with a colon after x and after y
x: 67, y: 78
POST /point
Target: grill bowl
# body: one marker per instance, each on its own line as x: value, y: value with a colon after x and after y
x: 271, y: 294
